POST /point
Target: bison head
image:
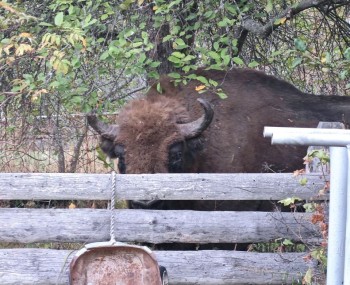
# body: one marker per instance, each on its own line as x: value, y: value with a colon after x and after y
x: 154, y: 136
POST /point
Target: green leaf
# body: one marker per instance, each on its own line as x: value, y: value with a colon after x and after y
x: 208, y: 14
x: 287, y: 242
x: 179, y: 47
x: 202, y: 79
x: 104, y: 17
x: 104, y: 55
x: 154, y: 74
x: 155, y: 64
x: 276, y: 53
x: 137, y: 44
x: 253, y: 64
x: 142, y: 58
x: 300, y: 44
x: 296, y: 62
x: 222, y: 24
x: 289, y: 201
x: 178, y: 54
x: 59, y: 19
x: 303, y: 181
x: 188, y: 57
x: 174, y: 75
x: 86, y: 108
x: 269, y: 6
x: 309, y: 207
x: 102, y: 157
x: 213, y: 82
x: 214, y: 55
x: 166, y: 38
x: 76, y: 99
x: 226, y: 59
x: 347, y: 53
x: 237, y: 60
x: 174, y: 59
x: 45, y: 24
x: 222, y: 95
x: 216, y: 46
x: 180, y: 42
x: 231, y: 8
x: 159, y: 88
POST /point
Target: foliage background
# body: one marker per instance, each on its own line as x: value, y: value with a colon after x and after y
x: 61, y: 59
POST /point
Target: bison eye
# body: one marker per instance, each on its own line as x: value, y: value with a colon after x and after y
x: 119, y: 153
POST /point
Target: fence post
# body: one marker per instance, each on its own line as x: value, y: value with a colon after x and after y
x: 338, y: 261
x: 347, y: 233
x: 337, y: 215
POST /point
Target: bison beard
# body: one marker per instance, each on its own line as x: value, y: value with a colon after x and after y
x: 155, y: 134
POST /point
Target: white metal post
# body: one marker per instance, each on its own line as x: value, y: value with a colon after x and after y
x: 337, y: 215
x: 347, y: 233
x: 338, y: 261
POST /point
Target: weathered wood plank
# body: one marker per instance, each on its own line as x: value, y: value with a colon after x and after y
x: 90, y: 225
x: 49, y: 267
x: 238, y: 186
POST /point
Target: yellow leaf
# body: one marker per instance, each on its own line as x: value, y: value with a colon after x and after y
x: 155, y: 8
x: 37, y: 94
x: 25, y: 35
x: 72, y: 206
x: 9, y: 60
x: 323, y: 59
x: 280, y: 21
x: 140, y: 2
x: 307, y: 279
x: 35, y: 97
x: 83, y: 41
x: 8, y: 7
x: 55, y: 63
x: 7, y: 49
x: 64, y: 68
x: 23, y: 48
x: 53, y: 39
x: 200, y: 87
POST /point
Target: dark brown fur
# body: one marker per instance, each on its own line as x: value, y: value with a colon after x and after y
x: 234, y: 141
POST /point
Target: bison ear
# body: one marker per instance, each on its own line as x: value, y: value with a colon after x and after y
x: 195, y: 128
x: 107, y: 131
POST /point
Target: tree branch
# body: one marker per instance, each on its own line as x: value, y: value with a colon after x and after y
x: 264, y: 31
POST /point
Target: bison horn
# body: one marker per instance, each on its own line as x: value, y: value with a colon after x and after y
x: 105, y: 130
x: 195, y: 128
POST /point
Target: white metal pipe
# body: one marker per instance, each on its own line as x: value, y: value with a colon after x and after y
x: 311, y: 139
x: 337, y: 216
x: 270, y: 131
x: 347, y: 233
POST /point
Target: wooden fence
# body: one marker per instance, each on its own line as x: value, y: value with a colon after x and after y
x: 49, y: 266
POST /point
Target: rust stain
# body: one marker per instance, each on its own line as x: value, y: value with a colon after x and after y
x: 115, y: 266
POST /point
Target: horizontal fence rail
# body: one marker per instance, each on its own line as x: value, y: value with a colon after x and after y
x: 240, y: 186
x: 90, y: 225
x: 206, y: 267
x: 50, y: 267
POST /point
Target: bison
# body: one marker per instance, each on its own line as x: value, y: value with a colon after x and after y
x: 181, y: 131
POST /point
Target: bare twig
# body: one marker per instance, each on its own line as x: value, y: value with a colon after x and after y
x: 264, y: 31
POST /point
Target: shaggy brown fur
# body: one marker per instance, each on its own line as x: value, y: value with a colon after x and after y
x: 234, y: 141
x: 150, y: 126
